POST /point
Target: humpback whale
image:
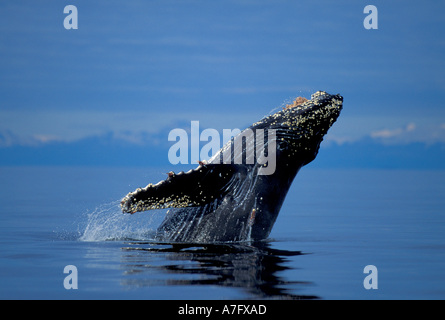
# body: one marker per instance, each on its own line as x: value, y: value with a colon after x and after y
x: 228, y: 198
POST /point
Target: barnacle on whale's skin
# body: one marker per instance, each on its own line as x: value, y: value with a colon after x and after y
x: 234, y: 202
x: 297, y: 102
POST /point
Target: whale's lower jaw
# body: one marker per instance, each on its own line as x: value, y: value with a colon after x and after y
x: 235, y: 202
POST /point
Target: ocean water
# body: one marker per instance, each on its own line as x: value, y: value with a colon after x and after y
x: 332, y: 225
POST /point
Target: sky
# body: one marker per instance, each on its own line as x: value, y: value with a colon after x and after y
x: 137, y: 69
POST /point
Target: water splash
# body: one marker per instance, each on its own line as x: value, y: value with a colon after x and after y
x: 107, y: 223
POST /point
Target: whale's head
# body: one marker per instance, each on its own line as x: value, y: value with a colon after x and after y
x: 301, y: 126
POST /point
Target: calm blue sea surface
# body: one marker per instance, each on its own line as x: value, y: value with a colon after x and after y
x: 332, y: 224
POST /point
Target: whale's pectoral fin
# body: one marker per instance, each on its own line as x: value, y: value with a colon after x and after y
x: 203, y: 185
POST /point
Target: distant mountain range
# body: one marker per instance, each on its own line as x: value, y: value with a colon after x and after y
x: 109, y: 150
x: 367, y: 153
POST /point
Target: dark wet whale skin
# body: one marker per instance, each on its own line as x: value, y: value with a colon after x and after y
x: 232, y: 202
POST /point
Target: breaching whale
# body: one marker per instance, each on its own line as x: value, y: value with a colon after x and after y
x: 228, y: 198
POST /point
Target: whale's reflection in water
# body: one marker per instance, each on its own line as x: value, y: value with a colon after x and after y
x: 254, y: 268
